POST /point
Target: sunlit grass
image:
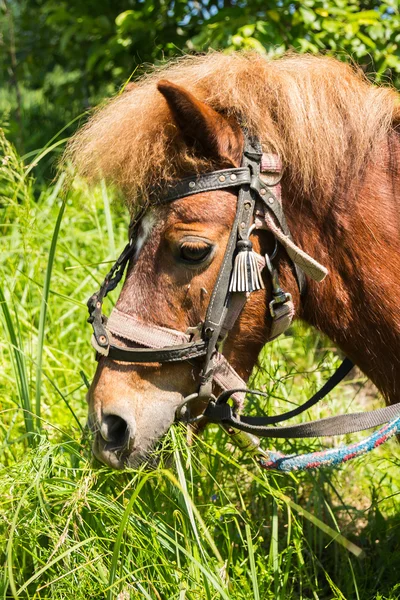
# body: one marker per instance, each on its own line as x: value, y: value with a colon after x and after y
x: 208, y: 522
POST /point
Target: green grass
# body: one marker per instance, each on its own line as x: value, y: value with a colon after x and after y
x: 208, y: 523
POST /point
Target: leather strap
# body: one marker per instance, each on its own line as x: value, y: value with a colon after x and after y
x: 300, y: 259
x: 220, y: 297
x: 220, y: 412
x: 157, y: 337
x: 226, y: 378
x: 282, y: 319
x: 339, y: 425
x: 344, y: 369
x: 236, y: 305
x: 270, y: 202
x: 149, y: 335
x: 110, y: 282
x: 168, y: 354
x: 217, y: 180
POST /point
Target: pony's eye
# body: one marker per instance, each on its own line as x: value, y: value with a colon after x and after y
x: 194, y: 252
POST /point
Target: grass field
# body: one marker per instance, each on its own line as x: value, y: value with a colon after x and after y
x: 208, y: 523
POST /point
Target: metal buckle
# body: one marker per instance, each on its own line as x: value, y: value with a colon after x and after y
x: 243, y: 440
x: 249, y: 443
x: 278, y: 295
x: 195, y: 332
x: 183, y: 411
x: 281, y: 298
x: 103, y: 350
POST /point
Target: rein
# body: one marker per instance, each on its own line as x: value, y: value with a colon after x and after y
x: 258, y: 207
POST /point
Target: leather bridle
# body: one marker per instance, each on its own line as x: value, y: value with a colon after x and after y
x: 258, y: 206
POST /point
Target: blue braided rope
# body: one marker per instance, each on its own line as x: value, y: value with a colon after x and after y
x: 332, y: 456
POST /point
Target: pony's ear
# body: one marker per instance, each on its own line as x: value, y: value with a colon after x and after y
x: 202, y: 127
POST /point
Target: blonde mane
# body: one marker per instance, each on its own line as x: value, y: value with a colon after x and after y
x: 320, y: 115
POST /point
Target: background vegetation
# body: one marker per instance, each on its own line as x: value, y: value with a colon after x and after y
x: 208, y: 523
x: 61, y: 57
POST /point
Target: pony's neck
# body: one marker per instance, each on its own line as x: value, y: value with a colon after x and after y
x: 356, y: 235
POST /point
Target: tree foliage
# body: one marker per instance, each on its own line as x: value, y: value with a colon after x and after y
x: 63, y: 56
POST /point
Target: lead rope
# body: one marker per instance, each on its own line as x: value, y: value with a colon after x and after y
x: 273, y: 460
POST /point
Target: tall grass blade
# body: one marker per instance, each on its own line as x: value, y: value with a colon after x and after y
x: 43, y: 152
x: 274, y: 551
x: 118, y: 541
x: 19, y: 363
x: 43, y: 307
x: 253, y: 570
x: 54, y: 561
x: 336, y: 536
x: 107, y: 213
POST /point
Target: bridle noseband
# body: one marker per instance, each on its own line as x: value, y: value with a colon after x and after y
x: 258, y: 207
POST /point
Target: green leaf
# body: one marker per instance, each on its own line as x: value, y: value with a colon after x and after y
x: 247, y: 30
x: 367, y: 40
x: 308, y: 15
x: 122, y: 17
x: 274, y: 15
x: 365, y: 17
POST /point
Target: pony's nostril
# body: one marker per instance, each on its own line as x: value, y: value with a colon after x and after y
x: 115, y: 429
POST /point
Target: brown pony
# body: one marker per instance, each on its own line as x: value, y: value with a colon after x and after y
x: 336, y: 136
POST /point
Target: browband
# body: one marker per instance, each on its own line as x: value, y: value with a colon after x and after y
x: 207, y: 182
x: 176, y: 353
